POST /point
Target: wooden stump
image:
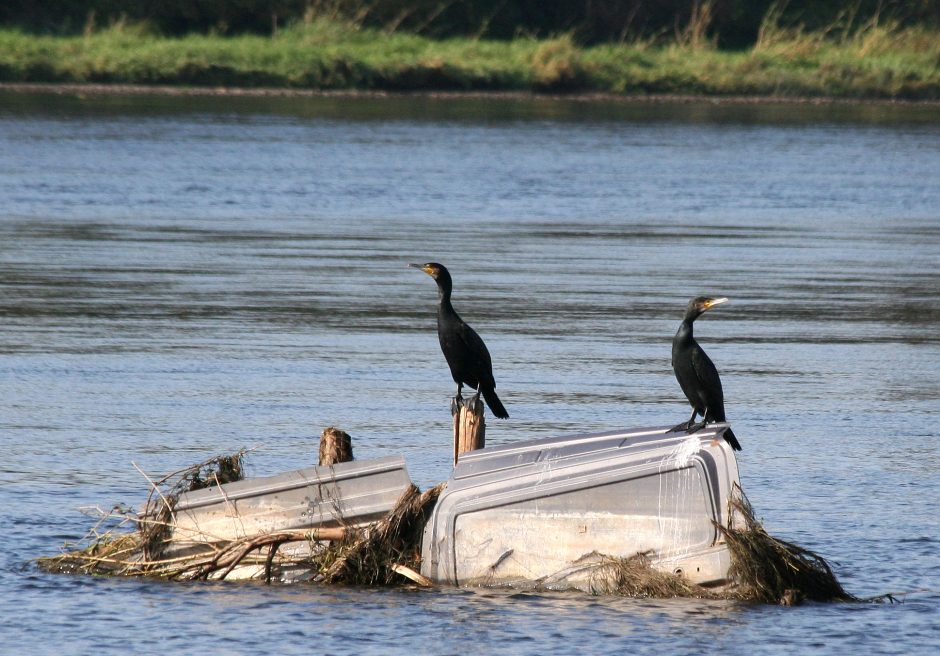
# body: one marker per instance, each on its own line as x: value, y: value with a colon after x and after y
x: 469, y: 426
x: 335, y: 446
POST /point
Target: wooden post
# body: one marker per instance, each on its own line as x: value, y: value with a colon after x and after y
x: 469, y: 426
x: 335, y: 446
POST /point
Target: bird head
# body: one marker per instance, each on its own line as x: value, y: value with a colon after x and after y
x: 701, y: 304
x: 441, y: 276
x: 433, y: 269
x: 437, y: 271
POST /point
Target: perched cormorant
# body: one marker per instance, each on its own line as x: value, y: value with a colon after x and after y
x: 696, y: 373
x: 465, y: 352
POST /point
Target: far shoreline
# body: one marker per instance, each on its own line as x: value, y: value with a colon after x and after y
x: 73, y: 88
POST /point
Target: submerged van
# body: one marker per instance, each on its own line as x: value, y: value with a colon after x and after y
x: 538, y: 513
x: 541, y: 511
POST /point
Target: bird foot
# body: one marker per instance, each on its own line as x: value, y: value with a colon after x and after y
x: 455, y: 404
x: 696, y: 427
x: 684, y: 426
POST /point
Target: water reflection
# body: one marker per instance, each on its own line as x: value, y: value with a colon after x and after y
x: 465, y: 109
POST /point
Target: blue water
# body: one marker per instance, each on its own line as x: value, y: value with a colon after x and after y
x: 181, y: 278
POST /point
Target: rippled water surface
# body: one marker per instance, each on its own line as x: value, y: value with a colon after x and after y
x: 181, y: 278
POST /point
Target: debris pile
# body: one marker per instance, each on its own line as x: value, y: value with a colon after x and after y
x: 388, y: 551
x: 763, y: 569
x: 771, y: 570
x: 377, y: 555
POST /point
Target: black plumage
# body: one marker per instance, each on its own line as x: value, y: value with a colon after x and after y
x: 464, y: 350
x: 697, y: 374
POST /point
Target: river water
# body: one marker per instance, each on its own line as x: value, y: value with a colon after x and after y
x: 181, y: 278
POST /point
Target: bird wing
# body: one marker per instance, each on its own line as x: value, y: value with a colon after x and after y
x: 710, y: 383
x: 684, y: 370
x: 482, y: 363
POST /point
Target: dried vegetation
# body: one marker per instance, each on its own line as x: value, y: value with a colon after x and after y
x: 764, y: 569
x: 379, y: 554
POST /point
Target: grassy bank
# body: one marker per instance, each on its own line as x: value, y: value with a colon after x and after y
x: 871, y: 62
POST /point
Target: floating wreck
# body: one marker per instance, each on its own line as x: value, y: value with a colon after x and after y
x: 647, y: 512
x: 547, y: 510
x: 543, y: 512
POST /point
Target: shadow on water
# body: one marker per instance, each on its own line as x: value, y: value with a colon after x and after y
x: 465, y: 109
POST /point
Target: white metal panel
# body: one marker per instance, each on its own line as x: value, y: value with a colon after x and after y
x: 529, y: 511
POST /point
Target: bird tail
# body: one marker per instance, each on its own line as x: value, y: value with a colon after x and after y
x: 731, y: 439
x: 495, y: 404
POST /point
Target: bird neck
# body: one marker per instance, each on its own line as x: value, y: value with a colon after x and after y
x: 443, y: 294
x: 685, y: 329
x: 444, y: 309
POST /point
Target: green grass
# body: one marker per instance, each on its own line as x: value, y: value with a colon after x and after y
x: 877, y: 61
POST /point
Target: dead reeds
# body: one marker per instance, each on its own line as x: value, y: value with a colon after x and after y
x: 636, y: 577
x: 154, y: 524
x: 763, y: 568
x: 771, y: 570
x: 375, y: 556
x: 379, y: 554
x: 139, y: 553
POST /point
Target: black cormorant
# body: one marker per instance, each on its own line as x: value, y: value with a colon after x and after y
x: 465, y: 352
x: 696, y: 373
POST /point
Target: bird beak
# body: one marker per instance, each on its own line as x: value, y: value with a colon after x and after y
x: 715, y: 301
x: 424, y: 268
